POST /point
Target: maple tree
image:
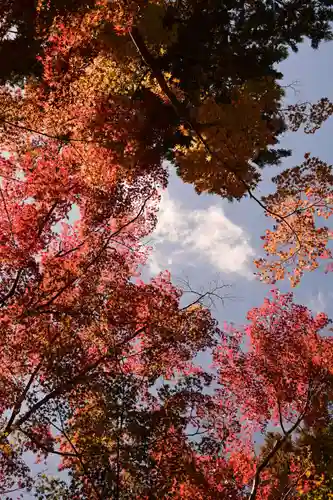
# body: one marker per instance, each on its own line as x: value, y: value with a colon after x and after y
x: 250, y: 51
x: 298, y: 240
x: 69, y: 306
x: 280, y: 385
x: 303, y: 467
x: 89, y: 373
x: 79, y: 335
x: 111, y: 78
x: 318, y: 443
x: 98, y: 367
x: 270, y: 382
x: 99, y: 55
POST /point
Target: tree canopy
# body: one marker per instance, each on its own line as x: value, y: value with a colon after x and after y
x: 99, y: 367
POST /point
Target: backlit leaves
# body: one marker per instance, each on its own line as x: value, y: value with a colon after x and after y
x: 232, y: 136
x: 298, y: 240
x: 98, y: 367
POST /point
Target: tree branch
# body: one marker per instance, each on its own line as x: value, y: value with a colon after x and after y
x: 95, y: 258
x: 42, y: 446
x: 69, y: 384
x: 45, y: 134
x: 281, y: 418
x: 278, y: 445
x: 18, y: 404
x: 8, y: 217
x: 183, y: 114
x: 46, y: 218
x: 13, y: 288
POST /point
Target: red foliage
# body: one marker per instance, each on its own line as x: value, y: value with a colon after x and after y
x: 91, y: 357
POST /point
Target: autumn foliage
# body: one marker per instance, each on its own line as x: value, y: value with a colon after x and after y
x: 98, y: 366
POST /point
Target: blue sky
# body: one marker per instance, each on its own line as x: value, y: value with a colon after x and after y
x: 204, y: 237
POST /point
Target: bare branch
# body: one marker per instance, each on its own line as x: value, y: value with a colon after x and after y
x: 211, y: 294
x: 292, y: 86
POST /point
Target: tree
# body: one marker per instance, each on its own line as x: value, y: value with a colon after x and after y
x: 121, y: 439
x: 304, y: 466
x: 103, y: 74
x: 83, y: 346
x: 318, y: 443
x: 24, y: 28
x: 228, y: 33
x: 78, y: 335
x: 70, y: 309
x: 130, y: 49
x: 282, y: 377
x: 97, y: 366
x: 298, y: 240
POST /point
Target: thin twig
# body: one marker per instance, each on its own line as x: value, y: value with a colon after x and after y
x: 46, y: 218
x: 8, y: 217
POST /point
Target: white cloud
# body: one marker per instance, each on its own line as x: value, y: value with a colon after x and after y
x: 187, y: 237
x: 319, y: 302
